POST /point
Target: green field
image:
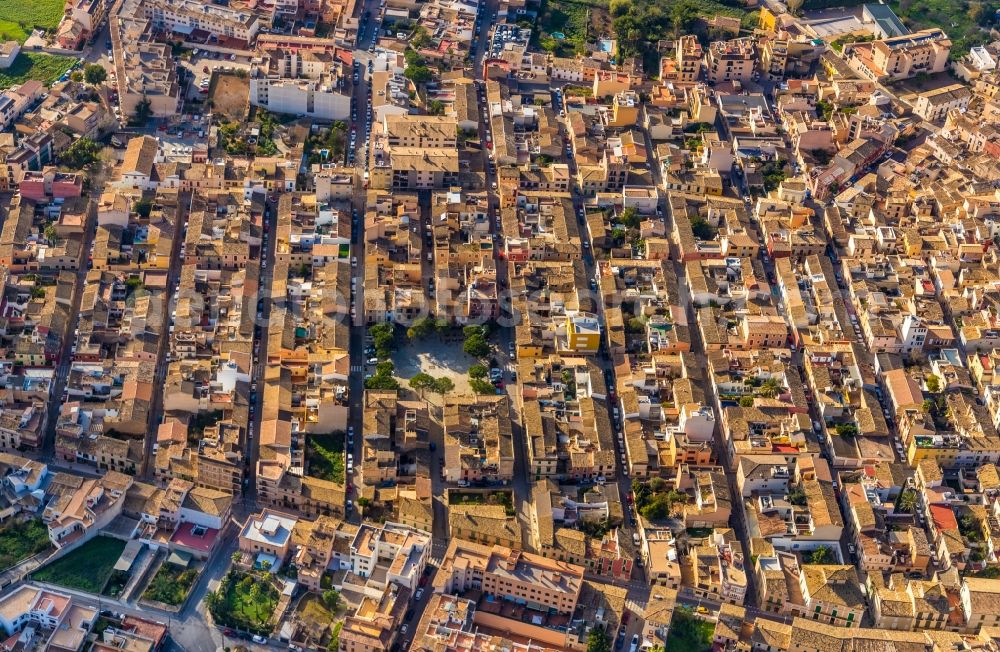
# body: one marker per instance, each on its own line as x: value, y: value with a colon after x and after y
x: 581, y: 21
x: 243, y: 601
x: 43, y: 14
x: 46, y: 68
x: 689, y: 633
x: 87, y: 568
x: 325, y: 457
x: 19, y: 541
x: 960, y: 20
x: 11, y: 31
x: 170, y: 585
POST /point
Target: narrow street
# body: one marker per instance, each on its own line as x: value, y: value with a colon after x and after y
x: 173, y: 278
x: 738, y: 517
x: 65, y: 359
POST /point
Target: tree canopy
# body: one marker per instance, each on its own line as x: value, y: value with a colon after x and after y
x: 95, y: 74
x: 81, y: 153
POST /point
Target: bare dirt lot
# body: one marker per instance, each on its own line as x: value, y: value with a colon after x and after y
x: 230, y: 96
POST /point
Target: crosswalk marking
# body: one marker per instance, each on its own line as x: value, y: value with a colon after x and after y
x: 356, y: 368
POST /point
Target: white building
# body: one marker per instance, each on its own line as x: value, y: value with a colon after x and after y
x: 186, y: 16
x: 935, y: 104
x: 301, y: 83
x: 981, y: 59
x: 8, y: 52
x: 400, y: 549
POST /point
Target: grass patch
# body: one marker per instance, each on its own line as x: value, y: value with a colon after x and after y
x: 170, y: 585
x: 30, y: 14
x: 689, y: 633
x: 325, y: 457
x: 87, y: 568
x: 640, y: 24
x: 45, y: 68
x: 19, y: 541
x: 11, y: 31
x: 581, y: 21
x: 838, y: 44
x: 960, y: 20
x: 244, y: 601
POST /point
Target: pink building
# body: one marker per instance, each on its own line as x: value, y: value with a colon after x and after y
x: 51, y: 184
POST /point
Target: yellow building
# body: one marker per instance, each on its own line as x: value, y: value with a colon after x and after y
x: 624, y: 109
x: 582, y: 333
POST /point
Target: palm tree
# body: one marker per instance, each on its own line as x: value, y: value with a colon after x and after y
x: 907, y: 501
x: 212, y: 600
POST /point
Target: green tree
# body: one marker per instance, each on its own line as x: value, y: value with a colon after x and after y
x: 81, y: 153
x: 907, y: 501
x: 421, y: 382
x: 418, y: 74
x: 95, y: 74
x: 143, y: 208
x: 331, y: 598
x: 631, y: 218
x: 383, y: 337
x: 482, y: 386
x: 421, y: 328
x: 443, y: 385
x: 619, y: 7
x: 212, y: 600
x: 933, y: 384
x: 381, y: 382
x: 420, y: 37
x: 257, y: 591
x: 746, y: 401
x: 824, y: 109
x: 478, y: 371
x: 435, y: 107
x: 846, y: 430
x: 702, y: 229
x: 476, y: 346
x: 635, y: 325
x: 597, y: 640
x: 143, y: 111
x: 821, y: 555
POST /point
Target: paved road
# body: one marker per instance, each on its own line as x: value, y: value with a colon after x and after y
x: 54, y: 404
x: 173, y: 279
x: 356, y: 387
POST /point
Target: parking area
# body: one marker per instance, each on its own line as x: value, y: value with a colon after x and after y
x: 200, y: 67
